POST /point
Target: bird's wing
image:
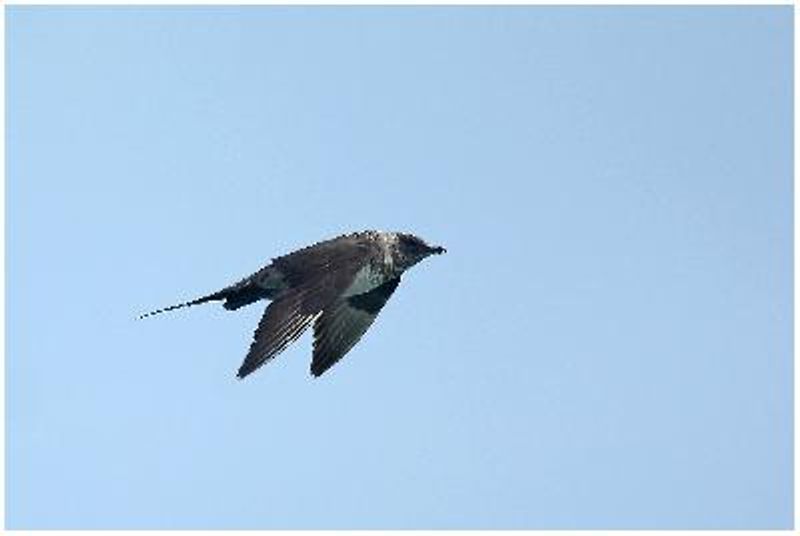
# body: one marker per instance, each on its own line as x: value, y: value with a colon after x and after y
x: 283, y: 322
x: 317, y: 276
x: 324, y: 270
x: 341, y: 325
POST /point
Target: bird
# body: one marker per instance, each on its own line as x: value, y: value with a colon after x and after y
x: 339, y: 285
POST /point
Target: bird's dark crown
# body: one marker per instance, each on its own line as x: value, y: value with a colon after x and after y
x: 415, y: 247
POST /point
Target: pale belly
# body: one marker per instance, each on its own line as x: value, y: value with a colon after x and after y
x: 366, y: 279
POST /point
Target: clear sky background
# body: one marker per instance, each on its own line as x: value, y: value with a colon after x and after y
x: 607, y: 343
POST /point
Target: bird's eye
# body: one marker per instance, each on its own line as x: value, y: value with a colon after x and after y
x: 413, y: 244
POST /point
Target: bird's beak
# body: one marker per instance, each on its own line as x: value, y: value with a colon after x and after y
x: 437, y: 250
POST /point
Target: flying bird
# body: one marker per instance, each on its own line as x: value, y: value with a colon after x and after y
x: 338, y: 285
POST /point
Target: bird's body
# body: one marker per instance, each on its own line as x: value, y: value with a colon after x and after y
x: 338, y: 285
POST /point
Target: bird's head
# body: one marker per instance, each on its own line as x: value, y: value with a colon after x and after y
x: 412, y: 249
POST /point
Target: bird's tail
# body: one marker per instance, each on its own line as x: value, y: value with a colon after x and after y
x: 211, y: 297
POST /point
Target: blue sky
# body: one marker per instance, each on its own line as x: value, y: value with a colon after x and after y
x: 607, y: 343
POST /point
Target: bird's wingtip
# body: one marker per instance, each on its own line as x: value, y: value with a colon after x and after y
x: 243, y: 372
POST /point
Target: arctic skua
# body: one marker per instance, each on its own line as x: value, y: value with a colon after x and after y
x: 338, y: 285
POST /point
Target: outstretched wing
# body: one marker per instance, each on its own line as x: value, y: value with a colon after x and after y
x: 283, y: 322
x: 344, y: 322
x: 315, y: 277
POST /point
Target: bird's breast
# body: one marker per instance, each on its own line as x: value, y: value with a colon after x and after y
x: 368, y: 278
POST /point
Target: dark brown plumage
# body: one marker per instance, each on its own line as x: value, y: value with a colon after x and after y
x: 338, y: 285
